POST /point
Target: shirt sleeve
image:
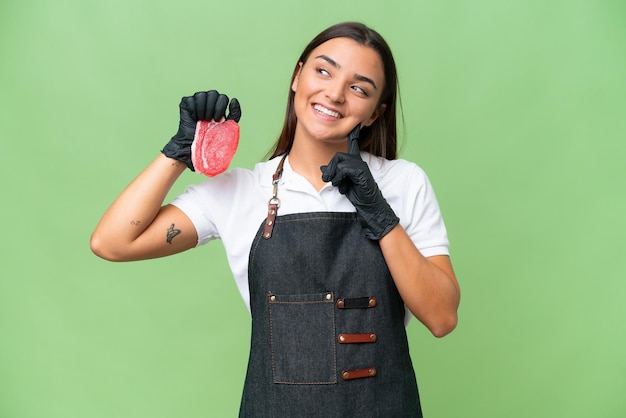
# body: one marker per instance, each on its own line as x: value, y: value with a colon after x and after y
x: 194, y: 202
x: 421, y: 216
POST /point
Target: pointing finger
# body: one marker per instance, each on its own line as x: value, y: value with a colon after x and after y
x: 353, y: 140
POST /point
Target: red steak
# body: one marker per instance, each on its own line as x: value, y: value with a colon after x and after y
x: 214, y: 146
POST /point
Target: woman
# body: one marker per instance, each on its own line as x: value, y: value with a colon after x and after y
x: 351, y: 242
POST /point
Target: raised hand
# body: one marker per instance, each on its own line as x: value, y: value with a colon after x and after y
x: 351, y: 175
x: 204, y: 105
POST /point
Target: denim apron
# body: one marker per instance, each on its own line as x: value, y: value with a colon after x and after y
x: 328, y: 335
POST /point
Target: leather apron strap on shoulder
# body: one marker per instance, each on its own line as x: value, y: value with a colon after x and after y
x: 274, y: 203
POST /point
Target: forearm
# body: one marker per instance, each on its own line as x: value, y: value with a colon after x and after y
x: 428, y: 286
x: 136, y: 207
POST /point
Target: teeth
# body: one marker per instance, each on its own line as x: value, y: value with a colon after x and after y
x: 325, y: 111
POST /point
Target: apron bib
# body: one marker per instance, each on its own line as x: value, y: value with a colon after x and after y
x: 328, y: 335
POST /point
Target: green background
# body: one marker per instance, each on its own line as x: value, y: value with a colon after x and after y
x: 515, y: 109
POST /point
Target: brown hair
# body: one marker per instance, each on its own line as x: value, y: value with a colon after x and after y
x: 380, y: 138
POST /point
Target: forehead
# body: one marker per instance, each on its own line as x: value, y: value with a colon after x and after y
x: 351, y: 56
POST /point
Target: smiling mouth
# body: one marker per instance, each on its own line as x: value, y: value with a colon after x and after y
x: 324, y: 111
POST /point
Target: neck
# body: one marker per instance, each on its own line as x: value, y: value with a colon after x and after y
x: 307, y: 157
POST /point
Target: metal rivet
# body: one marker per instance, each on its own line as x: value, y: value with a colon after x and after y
x: 340, y: 303
x: 372, y: 372
x: 329, y: 296
x: 272, y: 298
x: 373, y: 337
x: 272, y: 212
x: 372, y: 302
x: 267, y: 235
x: 342, y: 338
x: 269, y: 222
x: 345, y: 375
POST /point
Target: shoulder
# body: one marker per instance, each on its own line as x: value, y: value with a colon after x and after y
x: 383, y: 166
x: 396, y: 175
x: 408, y: 191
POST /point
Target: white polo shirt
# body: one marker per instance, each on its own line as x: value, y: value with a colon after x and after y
x: 233, y: 205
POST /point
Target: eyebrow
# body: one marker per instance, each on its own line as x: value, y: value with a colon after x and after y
x: 357, y: 76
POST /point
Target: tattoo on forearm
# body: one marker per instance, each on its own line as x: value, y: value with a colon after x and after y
x: 171, y: 233
x: 136, y: 223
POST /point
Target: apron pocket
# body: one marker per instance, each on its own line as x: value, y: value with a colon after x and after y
x: 302, y: 338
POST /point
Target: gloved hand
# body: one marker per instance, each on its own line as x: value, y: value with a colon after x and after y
x: 351, y: 175
x: 204, y: 105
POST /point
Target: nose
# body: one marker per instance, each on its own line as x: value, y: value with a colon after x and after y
x: 335, y: 93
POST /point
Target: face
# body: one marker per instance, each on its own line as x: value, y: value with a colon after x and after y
x: 338, y: 87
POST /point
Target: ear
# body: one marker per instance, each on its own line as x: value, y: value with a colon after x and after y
x: 296, y: 77
x: 377, y: 112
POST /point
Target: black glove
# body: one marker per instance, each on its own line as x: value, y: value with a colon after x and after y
x: 351, y: 175
x: 204, y: 105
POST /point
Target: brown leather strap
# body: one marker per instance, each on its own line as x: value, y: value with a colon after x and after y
x: 271, y: 218
x: 274, y: 203
x: 357, y: 338
x: 359, y: 373
x: 356, y: 303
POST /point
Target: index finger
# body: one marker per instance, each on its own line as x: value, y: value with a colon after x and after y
x: 353, y: 140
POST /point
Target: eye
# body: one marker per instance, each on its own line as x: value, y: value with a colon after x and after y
x: 322, y: 71
x: 359, y: 90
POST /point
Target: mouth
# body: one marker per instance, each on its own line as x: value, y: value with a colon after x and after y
x: 327, y: 112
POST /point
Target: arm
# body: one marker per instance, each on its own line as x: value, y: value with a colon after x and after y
x: 137, y: 226
x: 428, y: 286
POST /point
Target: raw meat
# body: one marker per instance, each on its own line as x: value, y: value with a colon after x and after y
x: 214, y: 146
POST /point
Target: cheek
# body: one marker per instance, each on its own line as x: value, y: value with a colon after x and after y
x: 299, y: 102
x: 301, y: 85
x: 372, y: 115
x: 303, y: 91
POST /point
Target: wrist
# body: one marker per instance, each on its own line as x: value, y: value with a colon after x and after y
x: 172, y: 164
x: 378, y: 220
